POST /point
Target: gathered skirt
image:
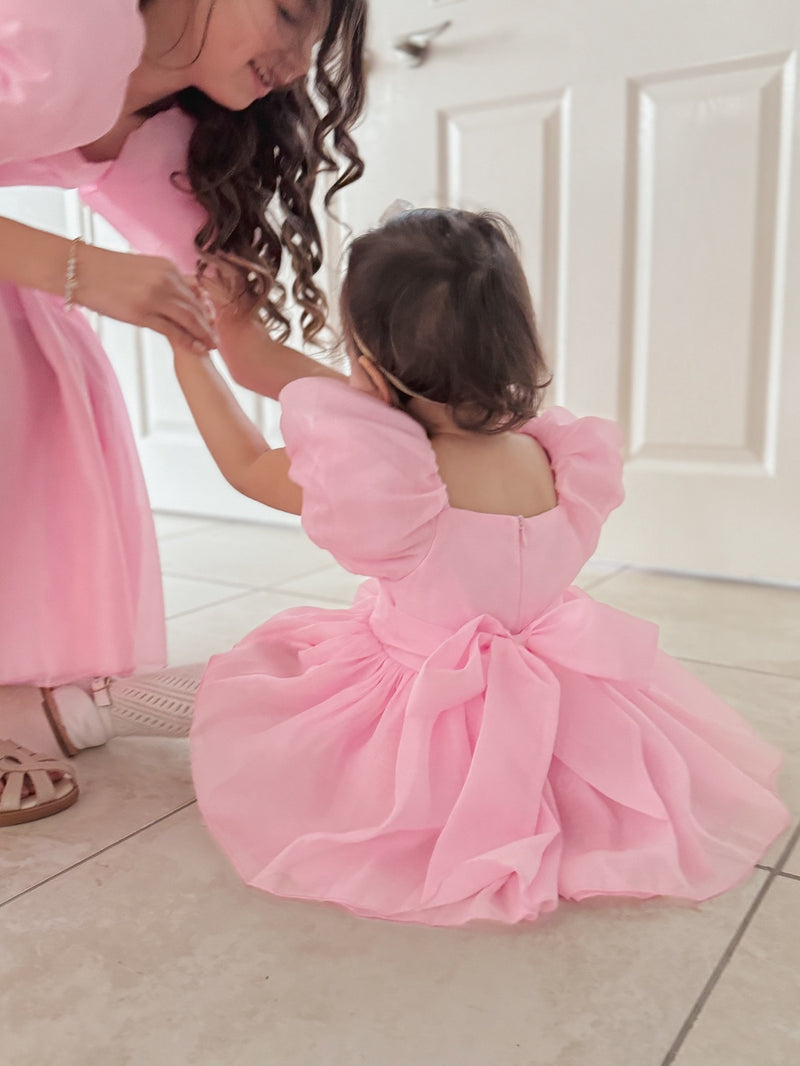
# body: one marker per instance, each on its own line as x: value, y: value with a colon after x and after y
x: 479, y: 783
x: 80, y: 593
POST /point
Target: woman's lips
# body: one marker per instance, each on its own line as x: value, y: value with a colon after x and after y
x: 263, y: 81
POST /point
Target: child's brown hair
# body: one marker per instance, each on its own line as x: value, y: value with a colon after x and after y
x: 440, y: 301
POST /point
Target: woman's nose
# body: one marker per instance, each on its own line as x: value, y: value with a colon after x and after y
x: 295, y: 62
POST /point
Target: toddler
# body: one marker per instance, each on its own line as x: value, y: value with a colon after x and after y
x: 474, y: 738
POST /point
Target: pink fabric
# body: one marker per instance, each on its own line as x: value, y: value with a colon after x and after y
x: 473, y: 738
x: 139, y: 197
x: 64, y: 69
x: 81, y: 585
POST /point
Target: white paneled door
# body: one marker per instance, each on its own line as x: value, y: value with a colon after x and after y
x: 647, y: 151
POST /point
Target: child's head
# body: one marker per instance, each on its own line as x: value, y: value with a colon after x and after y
x: 439, y: 301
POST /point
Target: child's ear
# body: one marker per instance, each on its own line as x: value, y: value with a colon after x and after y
x: 380, y: 386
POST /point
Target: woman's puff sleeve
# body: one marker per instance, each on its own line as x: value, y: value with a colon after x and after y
x: 64, y: 70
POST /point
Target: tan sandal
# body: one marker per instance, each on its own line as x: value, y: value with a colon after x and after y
x: 19, y: 767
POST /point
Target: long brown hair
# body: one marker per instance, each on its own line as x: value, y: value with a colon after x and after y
x: 255, y: 171
x: 438, y: 298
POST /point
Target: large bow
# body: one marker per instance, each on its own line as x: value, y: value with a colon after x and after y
x: 500, y: 687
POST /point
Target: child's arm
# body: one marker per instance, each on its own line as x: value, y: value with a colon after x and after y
x: 237, y: 446
x: 255, y: 360
x: 258, y: 362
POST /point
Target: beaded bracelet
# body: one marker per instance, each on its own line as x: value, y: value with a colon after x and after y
x: 71, y: 278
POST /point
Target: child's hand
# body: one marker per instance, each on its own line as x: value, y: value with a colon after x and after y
x: 209, y: 309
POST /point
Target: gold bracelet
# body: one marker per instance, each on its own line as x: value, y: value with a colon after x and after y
x: 71, y: 279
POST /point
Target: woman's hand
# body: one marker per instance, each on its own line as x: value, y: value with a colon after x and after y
x: 144, y: 291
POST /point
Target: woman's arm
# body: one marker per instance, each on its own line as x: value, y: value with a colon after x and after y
x: 32, y: 258
x: 256, y: 361
x: 244, y: 458
x: 143, y: 290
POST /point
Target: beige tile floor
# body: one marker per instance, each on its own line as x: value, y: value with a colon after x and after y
x: 126, y: 938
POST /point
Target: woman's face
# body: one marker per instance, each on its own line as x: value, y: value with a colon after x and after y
x: 250, y: 47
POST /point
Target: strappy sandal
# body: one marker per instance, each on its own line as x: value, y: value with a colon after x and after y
x: 19, y: 767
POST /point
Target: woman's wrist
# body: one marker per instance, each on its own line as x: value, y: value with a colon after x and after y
x: 71, y: 280
x: 33, y: 258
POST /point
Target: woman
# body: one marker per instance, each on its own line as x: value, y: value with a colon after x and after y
x: 188, y: 124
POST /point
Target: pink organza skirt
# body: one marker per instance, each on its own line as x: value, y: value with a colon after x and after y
x: 487, y: 782
x: 80, y: 591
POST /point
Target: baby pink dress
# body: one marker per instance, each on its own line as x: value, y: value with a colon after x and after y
x: 80, y: 591
x: 474, y: 738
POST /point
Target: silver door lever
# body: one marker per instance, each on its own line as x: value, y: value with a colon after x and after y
x: 414, y: 47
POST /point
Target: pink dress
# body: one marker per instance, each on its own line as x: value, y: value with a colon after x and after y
x: 474, y: 738
x: 80, y: 592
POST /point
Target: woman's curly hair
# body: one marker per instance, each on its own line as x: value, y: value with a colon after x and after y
x: 255, y: 172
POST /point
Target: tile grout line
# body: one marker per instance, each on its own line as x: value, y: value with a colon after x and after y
x: 790, y: 877
x: 96, y: 854
x: 206, y: 580
x: 607, y: 577
x: 727, y: 955
x: 269, y: 587
x: 734, y: 666
x: 302, y: 601
x: 313, y: 596
x: 240, y: 594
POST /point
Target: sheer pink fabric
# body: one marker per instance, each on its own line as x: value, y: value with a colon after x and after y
x: 474, y: 738
x: 80, y: 592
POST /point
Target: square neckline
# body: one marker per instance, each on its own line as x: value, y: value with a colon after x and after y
x: 497, y: 514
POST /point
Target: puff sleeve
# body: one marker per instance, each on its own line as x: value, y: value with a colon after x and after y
x: 64, y: 70
x: 371, y: 489
x: 586, y: 457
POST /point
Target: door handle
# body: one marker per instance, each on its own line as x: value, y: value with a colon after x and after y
x: 414, y: 47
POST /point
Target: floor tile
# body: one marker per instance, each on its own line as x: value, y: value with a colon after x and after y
x: 771, y: 704
x: 197, y: 636
x: 595, y: 573
x: 243, y: 554
x: 182, y: 594
x: 174, y: 525
x: 752, y: 1014
x: 125, y: 785
x: 333, y: 583
x: 178, y: 963
x: 726, y: 622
